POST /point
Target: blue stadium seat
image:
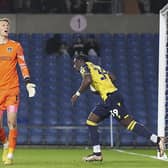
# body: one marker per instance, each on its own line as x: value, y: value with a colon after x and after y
x: 13, y: 36
x: 141, y: 141
x: 82, y: 137
x: 65, y: 137
x: 51, y: 136
x: 23, y: 135
x: 105, y: 40
x: 126, y: 138
x: 132, y: 57
x: 36, y: 120
x: 36, y: 136
x: 67, y: 38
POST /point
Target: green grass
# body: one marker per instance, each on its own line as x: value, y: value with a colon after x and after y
x: 72, y: 158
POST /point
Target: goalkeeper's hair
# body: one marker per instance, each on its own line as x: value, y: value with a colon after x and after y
x: 5, y: 19
x: 82, y: 57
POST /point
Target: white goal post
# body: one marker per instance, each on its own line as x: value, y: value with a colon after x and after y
x: 163, y: 75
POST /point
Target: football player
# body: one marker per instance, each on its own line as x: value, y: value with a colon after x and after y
x: 11, y: 54
x: 102, y: 83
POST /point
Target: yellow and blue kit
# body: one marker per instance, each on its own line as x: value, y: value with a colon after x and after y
x: 112, y: 104
x: 101, y: 83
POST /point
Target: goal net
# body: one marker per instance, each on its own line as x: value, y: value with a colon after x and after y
x: 163, y: 74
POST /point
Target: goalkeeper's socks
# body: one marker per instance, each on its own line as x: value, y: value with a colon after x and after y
x: 6, y: 145
x: 3, y: 137
x: 10, y: 155
x: 141, y: 130
x: 12, y: 139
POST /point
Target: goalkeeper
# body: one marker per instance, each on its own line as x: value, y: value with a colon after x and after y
x: 112, y: 103
x: 11, y: 54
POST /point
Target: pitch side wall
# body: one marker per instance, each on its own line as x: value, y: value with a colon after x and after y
x: 52, y: 23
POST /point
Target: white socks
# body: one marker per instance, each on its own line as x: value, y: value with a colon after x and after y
x: 5, y: 146
x: 10, y: 156
x: 154, y: 138
x: 96, y: 149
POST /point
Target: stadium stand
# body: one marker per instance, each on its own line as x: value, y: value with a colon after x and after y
x: 132, y: 57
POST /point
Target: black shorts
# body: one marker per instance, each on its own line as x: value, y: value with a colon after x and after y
x: 114, y: 105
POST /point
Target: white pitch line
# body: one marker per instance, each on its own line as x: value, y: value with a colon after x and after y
x: 142, y: 155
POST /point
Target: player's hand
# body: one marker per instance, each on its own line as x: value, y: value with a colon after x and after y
x: 31, y: 89
x: 74, y: 98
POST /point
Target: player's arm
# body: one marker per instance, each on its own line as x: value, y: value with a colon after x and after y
x: 25, y: 72
x: 86, y: 81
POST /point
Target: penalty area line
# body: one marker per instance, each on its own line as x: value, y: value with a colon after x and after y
x: 142, y: 155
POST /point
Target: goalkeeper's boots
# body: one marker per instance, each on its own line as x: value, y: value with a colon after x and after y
x: 161, y: 146
x: 93, y: 157
x: 8, y: 161
x: 4, y: 154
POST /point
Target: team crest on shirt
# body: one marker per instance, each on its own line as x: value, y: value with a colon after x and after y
x: 9, y: 49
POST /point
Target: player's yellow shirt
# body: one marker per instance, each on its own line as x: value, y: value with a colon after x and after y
x: 101, y: 81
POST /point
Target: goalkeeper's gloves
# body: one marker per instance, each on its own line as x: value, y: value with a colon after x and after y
x: 30, y: 87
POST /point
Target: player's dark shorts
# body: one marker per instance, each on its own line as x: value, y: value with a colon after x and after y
x: 114, y: 105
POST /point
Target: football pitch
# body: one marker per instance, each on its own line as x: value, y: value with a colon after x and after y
x: 72, y: 158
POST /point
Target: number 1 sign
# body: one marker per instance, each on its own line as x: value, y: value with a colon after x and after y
x: 78, y: 23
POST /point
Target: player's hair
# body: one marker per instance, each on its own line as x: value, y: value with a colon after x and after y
x: 5, y: 19
x: 82, y: 57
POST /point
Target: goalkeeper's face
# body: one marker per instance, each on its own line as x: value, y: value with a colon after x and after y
x: 4, y: 28
x: 77, y: 63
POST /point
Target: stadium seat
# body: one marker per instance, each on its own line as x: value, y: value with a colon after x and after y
x: 132, y: 57
x: 127, y: 138
x: 51, y: 136
x: 65, y: 137
x: 36, y: 136
x: 82, y: 137
x: 23, y: 136
x: 141, y: 141
x: 13, y: 36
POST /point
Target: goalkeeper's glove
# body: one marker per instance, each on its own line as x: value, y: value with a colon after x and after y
x: 30, y: 87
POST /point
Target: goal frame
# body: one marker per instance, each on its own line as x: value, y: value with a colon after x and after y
x: 163, y: 39
x: 162, y: 71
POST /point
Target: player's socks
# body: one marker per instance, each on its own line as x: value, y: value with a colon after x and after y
x: 12, y: 143
x: 96, y: 155
x: 4, y: 141
x: 3, y: 138
x: 141, y: 130
x: 10, y: 153
x: 97, y: 150
x: 5, y: 151
x: 94, y: 135
x: 154, y: 138
x: 12, y: 146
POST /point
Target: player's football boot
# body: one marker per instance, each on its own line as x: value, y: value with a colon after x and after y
x: 93, y: 157
x: 4, y: 154
x: 161, y: 146
x: 8, y: 161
